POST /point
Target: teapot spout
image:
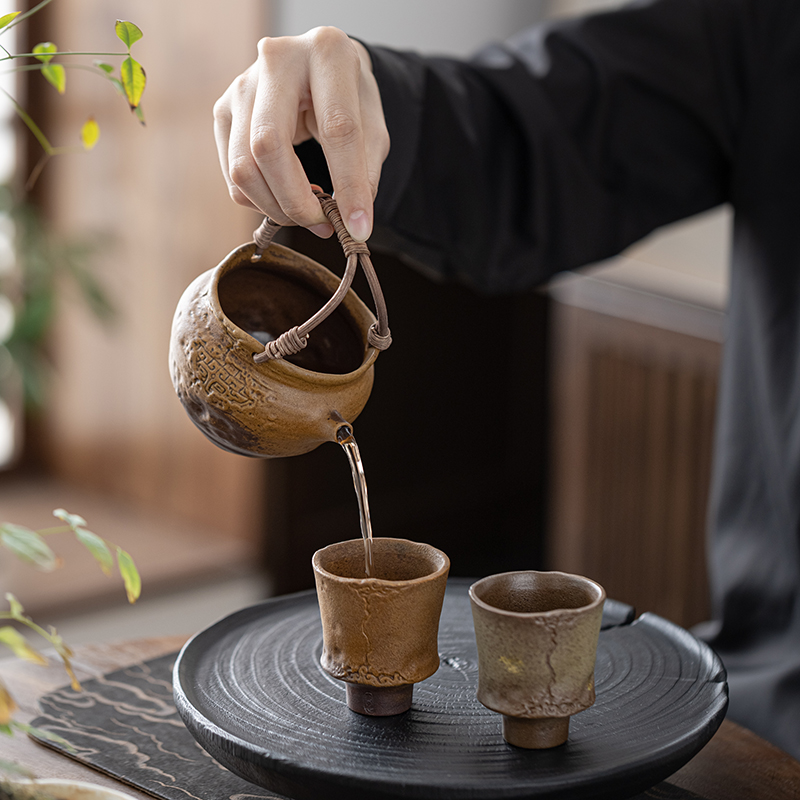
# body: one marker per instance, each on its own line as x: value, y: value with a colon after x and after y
x: 342, y: 429
x: 344, y: 434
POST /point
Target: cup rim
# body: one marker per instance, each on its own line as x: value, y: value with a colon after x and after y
x: 443, y: 570
x: 598, y: 601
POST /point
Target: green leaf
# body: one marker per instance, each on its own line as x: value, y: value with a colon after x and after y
x: 127, y: 32
x: 107, y: 68
x: 6, y: 18
x: 56, y: 75
x: 97, y: 547
x: 133, y: 81
x: 130, y: 575
x: 44, y: 51
x: 28, y: 545
x: 118, y: 85
x: 19, y: 646
x: 73, y: 520
x: 16, y: 607
x: 139, y: 114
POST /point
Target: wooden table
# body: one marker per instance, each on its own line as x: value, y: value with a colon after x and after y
x: 735, y: 765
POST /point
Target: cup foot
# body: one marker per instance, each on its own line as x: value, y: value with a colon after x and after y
x: 535, y: 734
x: 379, y: 701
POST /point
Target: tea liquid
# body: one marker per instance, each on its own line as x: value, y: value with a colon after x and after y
x: 348, y: 442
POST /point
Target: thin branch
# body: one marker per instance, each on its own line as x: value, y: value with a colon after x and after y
x: 37, y: 171
x: 62, y: 53
x: 56, y: 529
x: 27, y: 621
x: 32, y: 126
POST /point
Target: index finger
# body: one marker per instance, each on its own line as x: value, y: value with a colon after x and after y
x: 334, y: 79
x: 280, y: 94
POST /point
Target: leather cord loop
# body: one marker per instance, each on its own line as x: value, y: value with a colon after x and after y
x: 357, y: 253
x: 287, y: 344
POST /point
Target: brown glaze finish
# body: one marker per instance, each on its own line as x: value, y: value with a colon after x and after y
x: 537, y: 638
x: 282, y: 407
x: 380, y: 632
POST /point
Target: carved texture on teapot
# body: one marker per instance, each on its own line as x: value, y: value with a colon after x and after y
x: 216, y: 375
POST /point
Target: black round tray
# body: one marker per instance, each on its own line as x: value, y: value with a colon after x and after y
x: 251, y: 691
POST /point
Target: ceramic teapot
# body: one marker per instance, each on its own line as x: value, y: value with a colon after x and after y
x: 258, y: 393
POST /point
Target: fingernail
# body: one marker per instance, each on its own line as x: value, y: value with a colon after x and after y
x: 358, y: 225
x: 323, y: 230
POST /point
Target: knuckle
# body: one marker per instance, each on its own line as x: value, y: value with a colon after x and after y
x: 222, y: 110
x: 328, y: 36
x: 264, y: 45
x: 338, y: 126
x: 267, y: 142
x: 242, y: 172
x: 297, y: 212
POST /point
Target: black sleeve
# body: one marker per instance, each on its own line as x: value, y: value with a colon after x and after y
x: 565, y: 144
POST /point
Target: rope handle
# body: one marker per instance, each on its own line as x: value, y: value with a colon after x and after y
x: 295, y: 339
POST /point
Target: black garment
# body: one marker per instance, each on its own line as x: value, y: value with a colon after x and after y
x: 572, y: 141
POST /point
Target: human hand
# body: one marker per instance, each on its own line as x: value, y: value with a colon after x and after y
x: 316, y: 85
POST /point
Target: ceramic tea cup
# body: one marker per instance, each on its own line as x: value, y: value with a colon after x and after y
x: 380, y: 633
x: 537, y: 638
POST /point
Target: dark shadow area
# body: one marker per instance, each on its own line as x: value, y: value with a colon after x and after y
x: 454, y: 436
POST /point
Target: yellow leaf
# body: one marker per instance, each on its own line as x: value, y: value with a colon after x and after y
x: 90, y: 133
x: 7, y: 705
x: 133, y: 81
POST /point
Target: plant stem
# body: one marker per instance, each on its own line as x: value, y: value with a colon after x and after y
x: 60, y: 53
x: 32, y: 126
x: 29, y: 623
x: 57, y: 528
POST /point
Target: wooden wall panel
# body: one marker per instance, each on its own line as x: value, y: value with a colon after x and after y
x: 632, y: 429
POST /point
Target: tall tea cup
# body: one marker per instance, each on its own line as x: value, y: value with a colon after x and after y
x: 537, y: 636
x: 380, y: 633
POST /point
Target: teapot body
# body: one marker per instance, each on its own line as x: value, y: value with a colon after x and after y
x: 281, y: 407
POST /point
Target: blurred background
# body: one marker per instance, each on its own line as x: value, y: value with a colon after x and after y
x: 586, y: 449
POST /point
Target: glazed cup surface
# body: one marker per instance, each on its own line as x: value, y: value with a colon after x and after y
x: 381, y: 631
x: 537, y: 636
